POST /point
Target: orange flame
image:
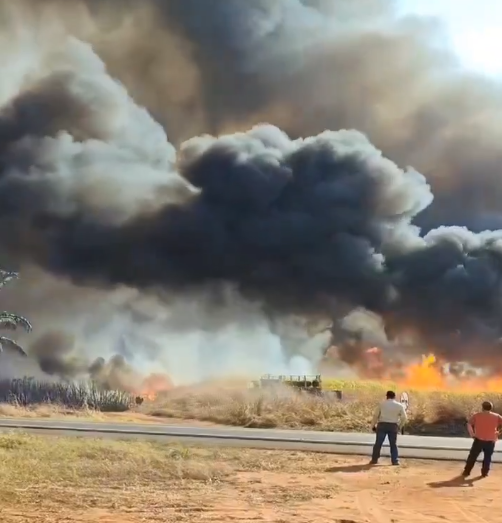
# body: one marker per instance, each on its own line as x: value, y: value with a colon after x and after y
x: 424, y: 375
x: 154, y: 384
x: 429, y: 375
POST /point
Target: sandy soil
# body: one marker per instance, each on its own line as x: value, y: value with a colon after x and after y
x: 341, y: 490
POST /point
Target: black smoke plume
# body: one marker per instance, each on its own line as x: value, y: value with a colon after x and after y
x: 91, y: 188
x: 308, y: 66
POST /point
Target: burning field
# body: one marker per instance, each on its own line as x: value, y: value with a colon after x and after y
x: 425, y: 374
x: 199, y: 189
x: 435, y: 407
x: 193, y: 190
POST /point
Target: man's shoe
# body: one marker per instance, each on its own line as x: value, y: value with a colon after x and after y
x: 484, y: 474
x: 396, y: 464
x: 373, y: 462
x: 465, y: 474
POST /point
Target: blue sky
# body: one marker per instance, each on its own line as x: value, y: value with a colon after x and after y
x: 475, y: 29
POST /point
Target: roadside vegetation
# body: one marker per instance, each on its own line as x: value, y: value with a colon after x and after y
x: 430, y: 413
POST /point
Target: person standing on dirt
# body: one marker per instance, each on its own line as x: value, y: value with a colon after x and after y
x: 389, y: 416
x: 484, y: 428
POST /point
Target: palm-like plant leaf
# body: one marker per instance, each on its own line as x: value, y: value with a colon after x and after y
x: 6, y: 277
x: 11, y: 321
x: 7, y: 343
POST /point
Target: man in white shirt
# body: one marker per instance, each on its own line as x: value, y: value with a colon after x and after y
x: 389, y: 416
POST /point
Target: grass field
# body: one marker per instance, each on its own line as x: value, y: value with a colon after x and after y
x: 431, y: 412
x: 62, y: 480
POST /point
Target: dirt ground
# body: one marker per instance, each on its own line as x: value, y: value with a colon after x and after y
x: 67, y: 480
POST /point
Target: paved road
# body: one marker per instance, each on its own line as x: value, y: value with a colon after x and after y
x: 340, y: 443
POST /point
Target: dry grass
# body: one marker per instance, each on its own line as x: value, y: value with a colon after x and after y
x: 55, y: 475
x: 433, y: 413
x: 27, y: 460
x: 60, y: 412
x: 50, y: 475
x: 56, y: 480
x: 46, y: 411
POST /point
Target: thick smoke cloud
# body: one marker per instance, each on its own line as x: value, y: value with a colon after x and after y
x: 224, y: 65
x: 310, y: 66
x: 91, y: 188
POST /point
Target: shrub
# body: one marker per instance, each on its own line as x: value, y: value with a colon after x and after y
x: 75, y: 395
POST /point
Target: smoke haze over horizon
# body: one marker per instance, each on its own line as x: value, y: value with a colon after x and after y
x: 176, y: 177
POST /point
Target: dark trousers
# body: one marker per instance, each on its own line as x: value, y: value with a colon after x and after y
x: 478, y: 446
x: 389, y: 431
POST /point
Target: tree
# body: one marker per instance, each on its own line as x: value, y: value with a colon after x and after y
x: 11, y: 321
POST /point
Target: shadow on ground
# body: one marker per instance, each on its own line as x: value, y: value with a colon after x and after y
x: 351, y: 468
x: 455, y: 482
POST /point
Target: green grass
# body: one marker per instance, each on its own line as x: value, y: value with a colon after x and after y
x: 359, y: 385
